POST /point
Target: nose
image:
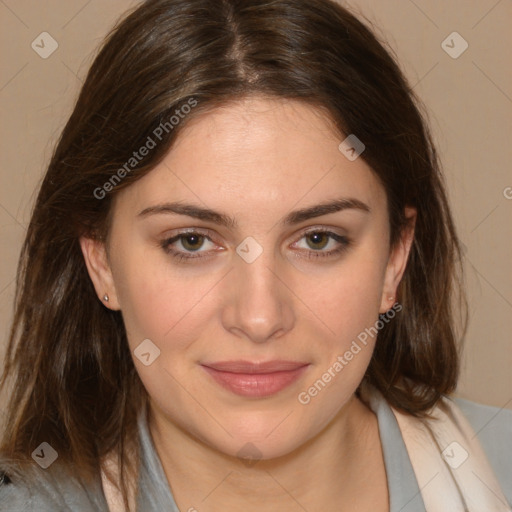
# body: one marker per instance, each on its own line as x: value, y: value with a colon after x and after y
x: 259, y: 304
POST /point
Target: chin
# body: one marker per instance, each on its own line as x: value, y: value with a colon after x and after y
x: 260, y: 436
x: 251, y: 449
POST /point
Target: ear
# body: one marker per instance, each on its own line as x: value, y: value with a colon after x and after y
x: 398, y: 261
x: 98, y: 266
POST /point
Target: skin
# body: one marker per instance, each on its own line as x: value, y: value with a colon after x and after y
x: 256, y: 160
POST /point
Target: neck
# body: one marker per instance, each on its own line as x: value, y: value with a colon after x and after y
x: 331, y: 470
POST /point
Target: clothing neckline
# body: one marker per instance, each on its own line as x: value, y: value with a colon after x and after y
x: 154, y: 491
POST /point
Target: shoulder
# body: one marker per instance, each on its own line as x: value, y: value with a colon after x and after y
x: 27, y: 493
x: 41, y: 490
x: 486, y: 417
x: 493, y: 427
x: 15, y: 497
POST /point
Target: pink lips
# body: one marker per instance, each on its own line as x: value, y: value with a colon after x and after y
x: 255, y: 379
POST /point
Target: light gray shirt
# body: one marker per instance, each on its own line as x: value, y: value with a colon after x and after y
x: 52, y: 490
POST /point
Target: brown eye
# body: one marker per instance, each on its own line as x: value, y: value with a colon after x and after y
x: 192, y: 242
x: 322, y: 244
x: 189, y: 245
x: 317, y: 240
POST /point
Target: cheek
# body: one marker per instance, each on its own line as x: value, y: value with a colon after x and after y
x: 161, y: 303
x: 348, y: 303
x: 347, y: 298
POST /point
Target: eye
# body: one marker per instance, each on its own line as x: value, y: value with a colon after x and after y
x: 188, y: 245
x: 321, y: 243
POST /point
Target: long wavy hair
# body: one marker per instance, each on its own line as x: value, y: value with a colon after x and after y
x: 73, y: 381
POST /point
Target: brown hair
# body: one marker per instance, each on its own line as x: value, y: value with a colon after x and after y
x: 75, y: 384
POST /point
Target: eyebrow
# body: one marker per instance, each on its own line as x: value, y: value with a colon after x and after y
x: 295, y: 217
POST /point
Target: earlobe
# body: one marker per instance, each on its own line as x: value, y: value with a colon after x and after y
x: 398, y: 261
x: 98, y: 267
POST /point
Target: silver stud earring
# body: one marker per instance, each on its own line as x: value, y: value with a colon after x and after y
x: 105, y: 298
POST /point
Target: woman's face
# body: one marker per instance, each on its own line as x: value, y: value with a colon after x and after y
x: 261, y: 274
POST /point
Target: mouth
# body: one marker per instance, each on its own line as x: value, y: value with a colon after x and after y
x: 256, y: 380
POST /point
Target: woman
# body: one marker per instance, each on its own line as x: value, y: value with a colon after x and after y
x: 236, y: 288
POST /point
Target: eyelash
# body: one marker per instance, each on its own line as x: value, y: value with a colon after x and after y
x: 311, y: 254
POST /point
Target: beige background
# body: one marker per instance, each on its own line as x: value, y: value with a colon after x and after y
x: 469, y: 100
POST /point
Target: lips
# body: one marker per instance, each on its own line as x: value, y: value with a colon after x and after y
x: 253, y: 379
x: 251, y: 367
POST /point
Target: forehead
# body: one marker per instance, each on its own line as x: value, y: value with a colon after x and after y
x: 258, y: 157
